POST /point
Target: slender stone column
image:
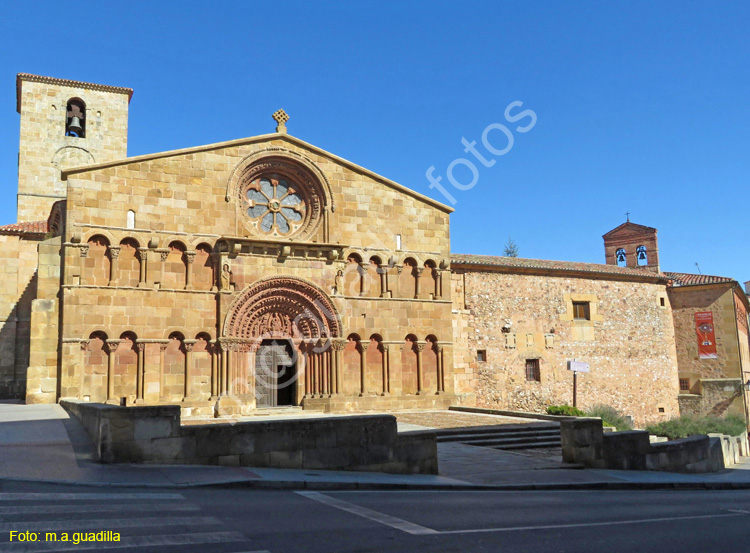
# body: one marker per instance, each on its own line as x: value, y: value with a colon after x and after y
x: 163, y: 254
x: 141, y: 349
x: 111, y: 349
x: 252, y: 349
x: 420, y: 375
x: 308, y: 371
x: 386, y: 370
x: 143, y: 259
x: 82, y: 368
x: 162, y: 349
x: 417, y: 278
x: 362, y: 270
x: 213, y: 350
x: 440, y: 371
x: 362, y: 365
x: 230, y: 370
x: 383, y: 270
x: 114, y: 255
x: 338, y: 364
x: 189, y: 344
x: 299, y: 368
x: 329, y: 370
x: 438, y: 284
x: 399, y: 292
x: 189, y: 260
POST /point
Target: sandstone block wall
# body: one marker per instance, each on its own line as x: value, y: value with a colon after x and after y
x: 18, y: 262
x: 190, y: 255
x: 629, y: 343
x: 154, y: 435
x: 44, y: 149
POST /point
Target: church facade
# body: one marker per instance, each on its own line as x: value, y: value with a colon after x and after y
x: 266, y: 272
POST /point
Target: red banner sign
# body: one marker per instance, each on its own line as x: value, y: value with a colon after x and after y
x: 704, y: 328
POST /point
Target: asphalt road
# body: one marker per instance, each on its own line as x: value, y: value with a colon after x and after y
x: 244, y: 520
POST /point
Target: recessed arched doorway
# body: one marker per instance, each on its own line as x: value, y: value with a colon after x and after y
x: 287, y: 324
x: 275, y: 373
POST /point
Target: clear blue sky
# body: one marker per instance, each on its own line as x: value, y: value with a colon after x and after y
x: 642, y: 106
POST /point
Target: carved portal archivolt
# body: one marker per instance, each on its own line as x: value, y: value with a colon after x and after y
x: 282, y: 307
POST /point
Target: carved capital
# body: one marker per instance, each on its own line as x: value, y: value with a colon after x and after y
x: 189, y: 345
x: 364, y: 345
x: 190, y: 256
x: 142, y: 253
x: 163, y: 346
x: 114, y: 251
x: 111, y: 345
x: 84, y: 344
x: 141, y: 346
x: 399, y: 268
x: 419, y: 271
x: 163, y: 252
x: 84, y: 249
x: 420, y: 346
x: 339, y: 345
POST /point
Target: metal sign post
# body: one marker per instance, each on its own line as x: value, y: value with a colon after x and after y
x: 577, y: 367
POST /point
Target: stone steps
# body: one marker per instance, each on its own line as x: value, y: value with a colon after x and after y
x: 507, y: 437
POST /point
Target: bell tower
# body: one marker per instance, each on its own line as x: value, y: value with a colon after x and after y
x: 64, y: 124
x: 631, y: 245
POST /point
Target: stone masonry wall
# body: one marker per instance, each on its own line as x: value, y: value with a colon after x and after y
x: 44, y: 149
x: 181, y: 197
x: 18, y: 262
x: 628, y: 343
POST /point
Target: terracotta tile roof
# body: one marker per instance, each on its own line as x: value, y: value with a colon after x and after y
x: 547, y: 265
x: 688, y: 279
x: 26, y: 228
x: 65, y: 82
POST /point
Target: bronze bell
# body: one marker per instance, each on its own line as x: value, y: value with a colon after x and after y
x: 75, y: 126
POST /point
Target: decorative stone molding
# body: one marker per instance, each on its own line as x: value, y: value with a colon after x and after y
x: 285, y: 307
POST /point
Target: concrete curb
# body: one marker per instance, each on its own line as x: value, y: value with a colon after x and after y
x: 406, y: 486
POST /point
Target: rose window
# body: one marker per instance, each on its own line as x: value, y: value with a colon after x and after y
x: 274, y: 205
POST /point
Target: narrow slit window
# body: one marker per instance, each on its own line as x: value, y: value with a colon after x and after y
x: 130, y: 222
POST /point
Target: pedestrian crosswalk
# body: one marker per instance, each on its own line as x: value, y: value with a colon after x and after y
x: 141, y: 522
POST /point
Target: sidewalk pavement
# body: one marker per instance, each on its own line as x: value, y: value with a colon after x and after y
x: 41, y: 443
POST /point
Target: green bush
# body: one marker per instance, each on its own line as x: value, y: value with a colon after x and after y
x: 610, y: 417
x: 565, y: 410
x: 682, y: 427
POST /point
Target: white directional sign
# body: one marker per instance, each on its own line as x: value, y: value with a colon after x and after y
x: 578, y: 366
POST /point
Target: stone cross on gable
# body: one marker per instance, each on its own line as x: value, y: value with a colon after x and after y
x: 281, y: 118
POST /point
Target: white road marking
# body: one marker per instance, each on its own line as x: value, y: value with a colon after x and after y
x: 587, y: 524
x: 393, y: 522
x: 86, y: 496
x: 96, y: 508
x: 412, y: 528
x: 105, y: 523
x: 126, y: 542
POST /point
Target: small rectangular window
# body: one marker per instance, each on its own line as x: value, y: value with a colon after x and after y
x: 684, y: 384
x: 581, y: 311
x: 532, y: 370
x: 661, y: 302
x: 481, y: 355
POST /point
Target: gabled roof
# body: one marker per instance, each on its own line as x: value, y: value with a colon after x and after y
x: 252, y: 140
x: 518, y: 264
x: 29, y: 229
x: 65, y: 82
x: 688, y: 279
x: 628, y: 226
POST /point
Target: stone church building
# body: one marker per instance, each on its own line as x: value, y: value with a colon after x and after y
x: 266, y: 272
